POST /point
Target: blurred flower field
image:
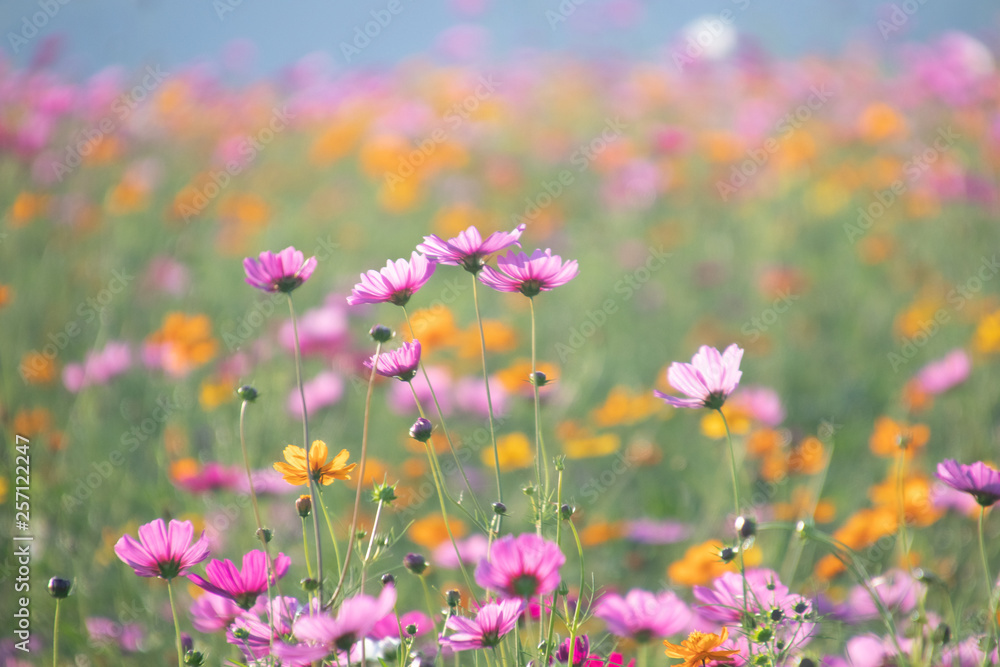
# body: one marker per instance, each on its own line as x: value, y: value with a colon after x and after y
x: 834, y: 218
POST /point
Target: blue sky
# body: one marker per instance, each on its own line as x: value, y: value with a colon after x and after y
x: 132, y: 33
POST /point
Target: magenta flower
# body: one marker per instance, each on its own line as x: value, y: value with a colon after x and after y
x: 401, y: 363
x: 213, y: 477
x: 643, y: 616
x: 162, y: 551
x: 708, y: 379
x: 281, y: 272
x: 279, y: 614
x: 541, y: 272
x: 939, y: 376
x: 242, y: 586
x: 492, y: 622
x: 356, y: 618
x: 978, y: 479
x: 211, y: 613
x: 394, y: 284
x: 468, y: 249
x: 521, y: 567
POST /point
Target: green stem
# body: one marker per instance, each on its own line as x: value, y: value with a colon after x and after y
x: 901, y: 499
x: 361, y: 476
x: 992, y: 621
x: 177, y: 625
x: 55, y: 637
x: 541, y: 461
x: 552, y: 613
x: 261, y: 535
x: 489, y: 397
x: 305, y: 547
x: 444, y: 425
x: 429, y: 601
x: 736, y: 501
x: 371, y: 541
x: 313, y: 484
x: 333, y: 535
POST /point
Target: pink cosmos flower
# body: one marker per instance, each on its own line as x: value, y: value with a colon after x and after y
x: 394, y: 284
x: 492, y: 622
x: 281, y: 612
x: 708, y: 379
x: 211, y: 613
x: 643, y: 616
x: 322, y: 391
x: 400, y: 396
x: 468, y: 249
x: 471, y: 550
x: 241, y: 586
x: 388, y: 626
x: 763, y: 404
x: 281, y: 272
x: 521, y: 567
x: 401, y: 363
x: 104, y: 632
x: 614, y: 660
x: 322, y: 331
x: 939, y: 376
x: 354, y: 621
x: 651, y: 531
x: 162, y: 551
x: 541, y: 272
x: 98, y: 367
x: 978, y: 479
x: 897, y: 590
x: 213, y: 477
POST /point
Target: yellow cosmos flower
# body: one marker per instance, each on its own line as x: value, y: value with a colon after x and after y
x: 699, y: 648
x: 294, y: 471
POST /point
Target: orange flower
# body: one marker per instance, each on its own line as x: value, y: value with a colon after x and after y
x: 702, y: 563
x: 699, y: 648
x: 6, y: 295
x: 435, y: 327
x: 37, y: 368
x: 183, y: 343
x: 431, y: 531
x: 499, y: 338
x: 889, y: 436
x: 294, y: 471
x: 808, y: 458
x: 515, y: 378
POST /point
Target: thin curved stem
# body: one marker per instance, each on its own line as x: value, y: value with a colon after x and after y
x: 444, y: 425
x: 361, y: 477
x: 489, y: 397
x: 177, y: 625
x: 55, y: 636
x: 313, y: 484
x: 261, y: 534
x: 541, y: 457
x: 992, y: 621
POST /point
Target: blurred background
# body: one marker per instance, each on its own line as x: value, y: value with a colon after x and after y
x: 816, y: 182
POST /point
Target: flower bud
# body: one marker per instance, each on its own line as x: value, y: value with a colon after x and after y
x: 538, y: 379
x: 264, y: 535
x: 411, y: 629
x: 59, y: 588
x: 384, y: 493
x: 563, y: 588
x: 453, y: 598
x: 388, y: 579
x: 421, y: 430
x: 303, y: 506
x: 566, y: 511
x: 746, y: 527
x: 764, y: 635
x: 381, y: 333
x: 415, y: 563
x: 500, y: 508
x: 309, y: 585
x: 247, y: 393
x: 194, y: 658
x: 727, y: 554
x: 241, y: 633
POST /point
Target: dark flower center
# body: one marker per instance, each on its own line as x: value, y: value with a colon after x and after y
x: 401, y: 297
x: 406, y: 376
x: 490, y: 639
x: 246, y: 600
x: 531, y: 287
x: 643, y: 636
x: 169, y: 569
x: 473, y: 263
x: 715, y: 400
x: 344, y: 642
x: 525, y: 585
x: 287, y: 283
x: 985, y: 498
